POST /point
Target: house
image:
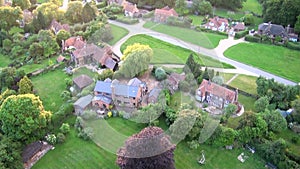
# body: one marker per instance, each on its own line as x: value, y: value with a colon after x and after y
x: 215, y: 95
x: 173, y: 81
x: 56, y: 26
x: 271, y: 30
x: 153, y: 95
x: 113, y: 92
x: 239, y: 27
x: 161, y: 15
x: 82, y: 81
x: 217, y: 24
x: 73, y: 42
x: 130, y: 9
x: 82, y: 104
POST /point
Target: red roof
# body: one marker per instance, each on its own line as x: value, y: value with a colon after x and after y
x: 239, y: 26
x: 217, y: 21
x: 77, y: 42
x: 217, y: 90
x: 166, y: 11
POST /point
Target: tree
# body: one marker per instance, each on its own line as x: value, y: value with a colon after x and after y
x: 228, y: 4
x: 230, y: 109
x: 23, y: 117
x: 150, y: 149
x: 276, y: 122
x: 9, y: 78
x: 23, y: 4
x: 160, y: 74
x: 249, y: 19
x: 88, y: 13
x: 223, y: 136
x: 36, y: 51
x: 138, y: 55
x: 261, y: 104
x: 191, y: 66
x: 205, y: 8
x: 10, y: 17
x: 25, y: 85
x: 296, y: 107
x: 39, y: 22
x: 62, y: 35
x: 297, y: 25
x: 10, y: 153
x: 283, y: 12
x: 181, y: 8
x: 65, y: 128
x: 50, y: 11
x: 195, y: 6
x: 218, y: 80
x: 73, y: 13
x: 107, y: 73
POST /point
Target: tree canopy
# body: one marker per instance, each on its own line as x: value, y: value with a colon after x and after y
x: 23, y: 117
x: 10, y: 17
x: 74, y: 12
x: 23, y: 4
x: 25, y: 85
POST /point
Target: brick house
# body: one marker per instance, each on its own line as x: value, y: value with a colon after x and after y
x: 130, y: 9
x: 161, y: 15
x: 217, y: 24
x: 113, y: 92
x: 215, y: 95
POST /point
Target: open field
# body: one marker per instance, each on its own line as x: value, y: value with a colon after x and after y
x: 4, y: 60
x: 49, y: 87
x: 167, y: 53
x: 118, y: 33
x: 274, y: 59
x: 28, y: 68
x: 197, y: 20
x: 245, y: 83
x: 225, y: 13
x: 206, y: 40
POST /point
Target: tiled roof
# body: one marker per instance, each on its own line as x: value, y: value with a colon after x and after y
x: 104, y: 87
x: 217, y: 21
x: 83, y: 81
x: 110, y: 63
x: 166, y: 11
x: 129, y: 7
x: 273, y: 29
x: 134, y: 82
x: 154, y: 92
x: 217, y: 90
x: 125, y: 90
x: 30, y: 150
x: 239, y: 26
x: 77, y: 42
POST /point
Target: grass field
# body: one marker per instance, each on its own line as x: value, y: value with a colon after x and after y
x: 197, y: 20
x: 170, y: 54
x: 252, y: 6
x: 49, y: 87
x: 206, y: 40
x: 118, y: 33
x: 274, y: 59
x: 226, y: 76
x: 4, y: 60
x: 224, y: 13
x: 28, y: 68
x: 247, y: 102
x: 245, y: 83
x: 287, y: 135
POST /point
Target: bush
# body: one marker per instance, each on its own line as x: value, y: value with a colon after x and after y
x: 193, y: 144
x: 65, y: 128
x: 294, y: 46
x: 160, y: 74
x: 61, y: 138
x: 127, y: 20
x: 51, y: 139
x: 101, y: 5
x: 184, y: 86
x: 240, y: 34
x: 87, y: 115
x: 295, y: 139
x: 148, y: 15
x: 252, y: 38
x: 184, y: 22
x: 86, y: 133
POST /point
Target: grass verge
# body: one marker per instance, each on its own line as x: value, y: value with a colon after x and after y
x: 118, y: 33
x: 245, y: 83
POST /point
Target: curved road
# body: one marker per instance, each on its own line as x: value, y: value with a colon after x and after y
x: 216, y: 53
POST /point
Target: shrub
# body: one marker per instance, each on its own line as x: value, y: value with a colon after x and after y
x: 184, y: 86
x: 184, y: 22
x: 252, y: 38
x: 61, y: 138
x: 65, y: 128
x: 51, y: 139
x: 240, y: 34
x: 148, y: 15
x: 294, y: 46
x: 86, y: 133
x: 160, y: 74
x: 87, y: 115
x: 193, y: 144
x: 295, y: 139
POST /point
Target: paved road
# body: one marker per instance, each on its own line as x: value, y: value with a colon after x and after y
x: 216, y: 53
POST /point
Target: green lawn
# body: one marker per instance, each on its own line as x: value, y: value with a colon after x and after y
x: 252, y: 6
x: 206, y: 40
x: 224, y: 13
x: 118, y: 33
x: 197, y: 20
x: 49, y: 87
x: 227, y: 76
x: 245, y: 83
x: 28, y: 68
x: 287, y: 135
x: 170, y: 54
x: 4, y: 60
x: 247, y: 102
x: 85, y: 71
x: 274, y: 59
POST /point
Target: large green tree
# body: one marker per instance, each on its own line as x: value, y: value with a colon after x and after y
x: 23, y: 117
x: 23, y: 4
x: 138, y: 55
x: 50, y: 11
x: 10, y: 153
x: 205, y: 8
x: 297, y: 25
x: 276, y: 123
x: 74, y: 12
x: 180, y: 7
x: 283, y: 12
x: 10, y: 17
x: 88, y: 13
x: 296, y: 113
x: 228, y: 4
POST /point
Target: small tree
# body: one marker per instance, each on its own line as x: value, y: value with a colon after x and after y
x: 218, y: 80
x: 160, y: 74
x: 61, y: 138
x: 261, y: 104
x: 25, y: 85
x: 65, y: 128
x: 51, y: 139
x: 107, y: 73
x: 230, y: 109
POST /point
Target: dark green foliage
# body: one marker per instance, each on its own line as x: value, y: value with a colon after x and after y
x: 184, y: 22
x: 240, y: 34
x: 276, y: 123
x: 160, y: 74
x: 127, y: 20
x: 10, y: 153
x: 10, y: 17
x: 222, y: 136
x: 170, y: 115
x: 205, y: 74
x: 229, y: 4
x: 107, y: 73
x: 9, y: 78
x: 296, y: 113
x: 39, y: 22
x: 261, y: 104
x: 292, y: 45
x: 297, y: 24
x: 65, y: 128
x: 88, y: 13
x: 61, y: 138
x: 191, y: 66
x: 252, y: 38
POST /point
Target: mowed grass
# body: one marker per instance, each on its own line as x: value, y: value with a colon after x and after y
x: 252, y: 6
x: 49, y: 86
x: 76, y: 153
x: 166, y: 53
x: 274, y: 59
x: 247, y: 102
x: 29, y: 68
x: 224, y: 13
x: 206, y: 40
x: 118, y: 33
x: 197, y: 19
x: 245, y: 83
x: 4, y: 60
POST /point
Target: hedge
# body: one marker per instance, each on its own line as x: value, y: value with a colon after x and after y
x: 294, y: 46
x: 240, y: 34
x: 202, y: 29
x: 252, y: 38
